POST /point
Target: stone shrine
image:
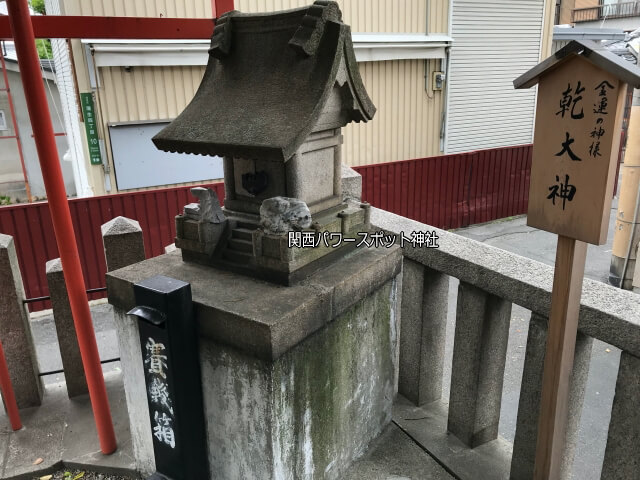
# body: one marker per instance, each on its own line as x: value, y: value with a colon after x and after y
x: 276, y: 92
x: 298, y: 347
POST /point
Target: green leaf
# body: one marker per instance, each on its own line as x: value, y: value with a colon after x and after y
x: 38, y: 6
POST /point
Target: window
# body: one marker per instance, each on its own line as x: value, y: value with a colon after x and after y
x: 3, y: 121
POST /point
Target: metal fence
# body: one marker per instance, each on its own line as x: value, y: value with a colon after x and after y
x: 601, y: 12
x: 447, y: 191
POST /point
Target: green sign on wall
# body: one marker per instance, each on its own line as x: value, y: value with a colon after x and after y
x: 88, y: 112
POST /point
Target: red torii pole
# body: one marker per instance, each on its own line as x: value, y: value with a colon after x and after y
x: 221, y: 6
x: 23, y: 36
x: 20, y: 21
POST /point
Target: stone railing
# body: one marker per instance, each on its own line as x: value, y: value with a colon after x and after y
x: 491, y: 280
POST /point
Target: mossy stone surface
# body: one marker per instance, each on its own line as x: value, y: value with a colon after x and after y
x: 312, y: 411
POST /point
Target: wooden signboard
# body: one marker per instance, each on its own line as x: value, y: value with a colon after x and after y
x: 577, y: 138
x: 575, y: 152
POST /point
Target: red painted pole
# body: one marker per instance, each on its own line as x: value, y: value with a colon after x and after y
x: 22, y: 30
x: 7, y: 393
x: 221, y: 6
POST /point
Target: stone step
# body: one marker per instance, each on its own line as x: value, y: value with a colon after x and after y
x: 240, y: 245
x: 241, y: 233
x: 246, y: 225
x: 237, y: 256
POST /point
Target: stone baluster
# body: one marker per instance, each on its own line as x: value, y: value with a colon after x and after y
x: 524, y: 445
x: 65, y: 330
x: 422, y: 333
x: 15, y: 330
x: 123, y: 246
x: 622, y: 456
x: 479, y: 355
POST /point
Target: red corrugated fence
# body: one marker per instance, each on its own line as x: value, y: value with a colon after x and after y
x: 447, y: 191
x: 30, y: 225
x: 452, y: 191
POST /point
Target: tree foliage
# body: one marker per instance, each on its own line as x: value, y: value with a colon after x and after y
x: 44, y: 48
x: 43, y: 45
x: 38, y: 6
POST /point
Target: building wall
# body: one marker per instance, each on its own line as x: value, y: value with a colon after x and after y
x: 549, y: 14
x: 409, y: 118
x: 10, y: 170
x: 11, y: 177
x: 407, y: 123
x: 404, y: 16
x: 401, y: 16
x: 139, y: 8
x: 566, y: 7
x: 586, y: 3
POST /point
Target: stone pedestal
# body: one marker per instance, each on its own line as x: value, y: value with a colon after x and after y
x: 297, y: 381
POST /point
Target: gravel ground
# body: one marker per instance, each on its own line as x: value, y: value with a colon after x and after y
x: 81, y: 475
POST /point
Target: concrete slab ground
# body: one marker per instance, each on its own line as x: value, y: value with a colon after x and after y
x: 62, y: 432
x: 394, y: 455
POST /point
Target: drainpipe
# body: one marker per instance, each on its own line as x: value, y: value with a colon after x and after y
x: 636, y: 275
x: 445, y: 102
x: 627, y: 230
x: 445, y: 92
x: 22, y: 30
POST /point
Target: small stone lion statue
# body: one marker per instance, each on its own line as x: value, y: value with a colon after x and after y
x: 279, y: 215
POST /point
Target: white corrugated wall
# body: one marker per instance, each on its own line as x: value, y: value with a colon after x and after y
x: 65, y: 81
x: 495, y: 41
x: 408, y: 121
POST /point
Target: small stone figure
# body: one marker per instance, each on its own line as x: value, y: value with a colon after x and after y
x: 208, y: 210
x: 279, y: 215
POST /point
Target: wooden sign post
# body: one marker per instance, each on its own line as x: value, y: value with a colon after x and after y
x: 581, y: 93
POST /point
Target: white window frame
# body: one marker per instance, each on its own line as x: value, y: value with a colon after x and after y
x: 3, y: 121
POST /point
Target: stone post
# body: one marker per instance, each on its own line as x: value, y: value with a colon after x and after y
x: 524, y: 444
x: 351, y: 183
x: 477, y: 372
x: 65, y: 330
x: 123, y: 243
x: 422, y: 333
x: 15, y: 330
x: 622, y: 457
x: 124, y: 246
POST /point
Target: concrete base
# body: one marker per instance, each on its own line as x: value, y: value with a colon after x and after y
x: 617, y: 269
x: 311, y: 412
x: 297, y: 381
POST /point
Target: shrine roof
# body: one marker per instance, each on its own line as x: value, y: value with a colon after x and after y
x: 267, y: 81
x: 593, y: 52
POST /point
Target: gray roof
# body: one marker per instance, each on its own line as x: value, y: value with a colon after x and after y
x: 593, y: 52
x: 266, y: 84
